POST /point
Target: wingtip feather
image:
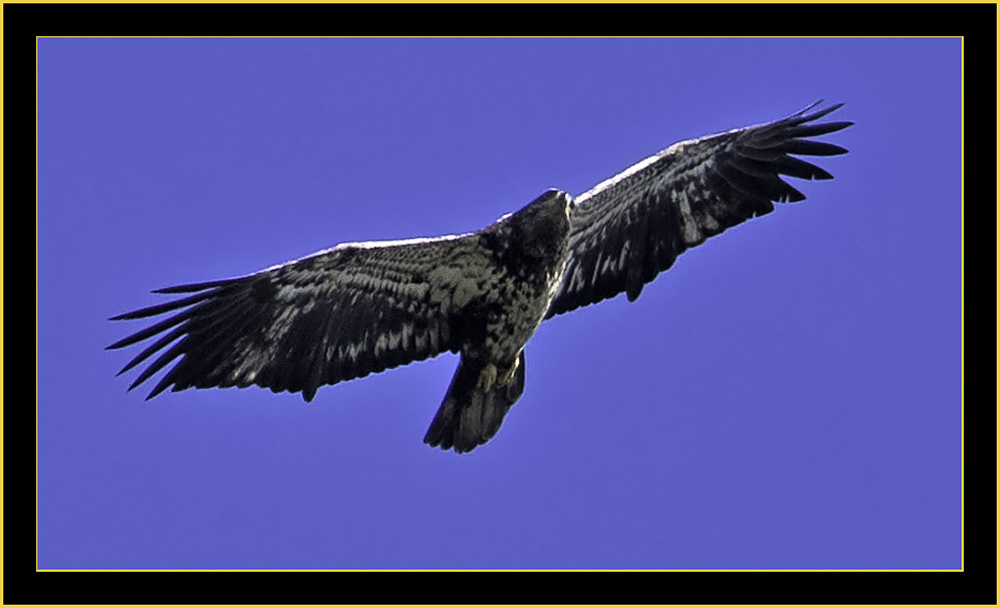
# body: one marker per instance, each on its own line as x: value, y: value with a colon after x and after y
x: 194, y: 287
x: 804, y: 115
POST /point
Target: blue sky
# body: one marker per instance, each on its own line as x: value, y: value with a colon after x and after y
x: 786, y: 396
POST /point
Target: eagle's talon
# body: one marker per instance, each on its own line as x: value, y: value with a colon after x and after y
x: 509, y: 374
x: 487, y: 377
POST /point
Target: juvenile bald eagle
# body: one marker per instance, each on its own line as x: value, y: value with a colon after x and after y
x: 361, y: 308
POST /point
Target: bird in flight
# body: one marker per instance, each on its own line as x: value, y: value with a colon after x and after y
x: 361, y: 308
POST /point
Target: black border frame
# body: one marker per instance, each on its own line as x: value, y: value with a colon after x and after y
x: 976, y: 584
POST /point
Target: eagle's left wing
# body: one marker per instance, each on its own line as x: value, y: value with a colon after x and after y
x: 633, y: 226
x: 338, y: 314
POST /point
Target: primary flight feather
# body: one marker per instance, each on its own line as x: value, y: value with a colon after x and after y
x: 361, y: 308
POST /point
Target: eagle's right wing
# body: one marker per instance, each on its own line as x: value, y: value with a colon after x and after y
x: 631, y: 227
x: 338, y: 314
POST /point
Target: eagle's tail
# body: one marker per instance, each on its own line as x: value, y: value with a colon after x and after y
x: 477, y: 401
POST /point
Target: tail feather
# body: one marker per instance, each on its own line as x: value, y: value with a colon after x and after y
x: 470, y: 415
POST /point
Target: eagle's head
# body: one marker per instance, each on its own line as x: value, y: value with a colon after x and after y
x: 541, y: 228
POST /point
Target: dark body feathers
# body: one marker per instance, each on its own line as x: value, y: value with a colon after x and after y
x: 362, y: 308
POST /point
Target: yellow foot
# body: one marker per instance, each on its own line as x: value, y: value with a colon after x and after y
x: 509, y: 374
x: 487, y: 377
x: 491, y: 376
